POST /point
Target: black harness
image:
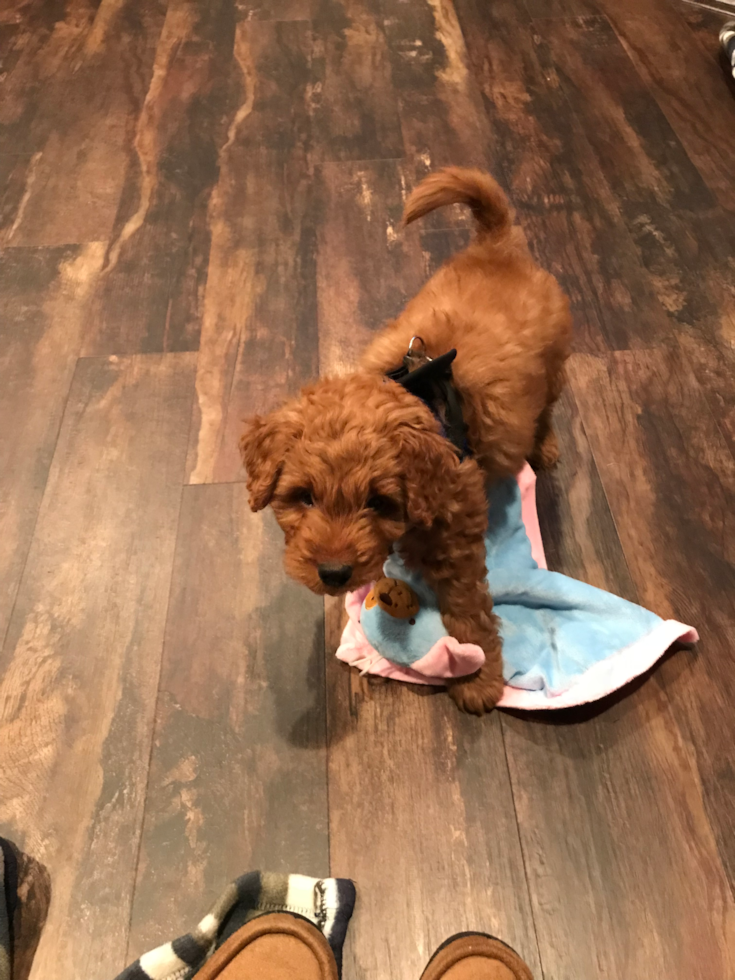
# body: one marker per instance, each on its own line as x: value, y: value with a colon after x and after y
x: 430, y: 379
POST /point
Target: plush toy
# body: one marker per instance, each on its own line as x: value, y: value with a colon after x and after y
x: 564, y: 642
x: 394, y: 597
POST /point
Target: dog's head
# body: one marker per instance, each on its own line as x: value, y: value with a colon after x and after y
x: 347, y: 467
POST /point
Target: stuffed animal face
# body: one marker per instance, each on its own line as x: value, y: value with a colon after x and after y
x: 394, y: 597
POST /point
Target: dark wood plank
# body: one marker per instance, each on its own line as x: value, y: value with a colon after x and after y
x: 277, y: 9
x: 687, y: 83
x: 670, y: 480
x: 14, y: 169
x: 623, y: 869
x: 81, y: 659
x: 43, y: 303
x: 571, y: 217
x: 156, y: 268
x: 277, y: 353
x: 258, y: 334
x: 642, y: 158
x: 577, y: 527
x: 368, y: 267
x: 560, y: 8
x: 440, y: 106
x: 43, y: 37
x: 238, y: 771
x: 419, y: 796
x: 714, y: 367
x: 72, y: 101
x: 616, y: 838
x: 353, y: 102
x: 687, y: 253
x: 592, y: 255
x: 18, y: 22
x: 705, y: 23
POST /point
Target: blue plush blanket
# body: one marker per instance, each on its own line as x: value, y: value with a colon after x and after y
x: 564, y: 642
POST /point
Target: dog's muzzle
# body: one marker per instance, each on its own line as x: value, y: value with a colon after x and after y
x: 334, y: 575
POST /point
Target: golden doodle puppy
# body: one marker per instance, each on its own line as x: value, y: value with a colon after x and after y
x: 357, y: 466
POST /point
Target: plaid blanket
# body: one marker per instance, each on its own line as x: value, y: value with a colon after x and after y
x: 327, y: 902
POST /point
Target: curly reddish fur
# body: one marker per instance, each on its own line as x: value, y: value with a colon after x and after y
x: 355, y: 466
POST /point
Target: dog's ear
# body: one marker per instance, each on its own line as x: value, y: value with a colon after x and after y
x: 429, y: 462
x: 263, y: 446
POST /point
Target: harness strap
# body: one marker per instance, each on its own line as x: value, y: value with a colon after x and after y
x: 430, y: 379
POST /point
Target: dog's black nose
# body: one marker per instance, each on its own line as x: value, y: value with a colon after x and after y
x: 333, y: 574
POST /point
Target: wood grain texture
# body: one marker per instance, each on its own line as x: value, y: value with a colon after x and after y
x: 439, y: 102
x: 70, y: 103
x: 572, y: 218
x: 642, y: 158
x: 81, y: 658
x: 42, y: 37
x: 622, y: 863
x: 258, y: 335
x: 150, y: 296
x: 687, y: 83
x: 354, y: 106
x: 422, y: 817
x: 367, y: 265
x: 276, y: 9
x: 714, y: 367
x: 658, y: 450
x: 625, y: 875
x: 238, y: 770
x: 667, y: 208
x: 577, y: 527
x: 43, y: 303
x: 683, y: 239
x: 538, y: 9
x: 705, y: 23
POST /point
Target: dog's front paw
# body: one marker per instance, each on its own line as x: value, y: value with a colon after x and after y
x: 478, y: 693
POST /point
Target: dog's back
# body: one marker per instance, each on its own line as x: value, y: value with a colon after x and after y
x: 508, y: 319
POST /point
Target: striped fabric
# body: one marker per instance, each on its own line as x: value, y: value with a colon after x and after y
x: 328, y: 903
x: 727, y: 40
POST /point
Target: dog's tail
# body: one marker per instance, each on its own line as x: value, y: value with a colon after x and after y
x: 459, y: 185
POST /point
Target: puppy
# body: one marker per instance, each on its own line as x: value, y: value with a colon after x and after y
x: 358, y: 465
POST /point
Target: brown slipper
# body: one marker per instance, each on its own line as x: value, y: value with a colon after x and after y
x: 276, y: 946
x: 475, y: 956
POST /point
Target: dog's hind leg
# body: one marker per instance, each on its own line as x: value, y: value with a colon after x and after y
x: 546, y: 447
x: 545, y: 452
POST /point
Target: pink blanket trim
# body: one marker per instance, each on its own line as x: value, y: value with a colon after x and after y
x: 449, y: 658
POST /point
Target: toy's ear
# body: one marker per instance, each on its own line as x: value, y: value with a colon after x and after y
x: 264, y: 446
x: 429, y: 465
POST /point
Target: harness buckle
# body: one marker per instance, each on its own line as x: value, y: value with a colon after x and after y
x: 416, y: 354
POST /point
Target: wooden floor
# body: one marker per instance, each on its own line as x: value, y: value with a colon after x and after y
x: 199, y: 211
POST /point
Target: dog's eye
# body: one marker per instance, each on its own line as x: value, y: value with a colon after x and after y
x: 384, y: 506
x: 303, y: 496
